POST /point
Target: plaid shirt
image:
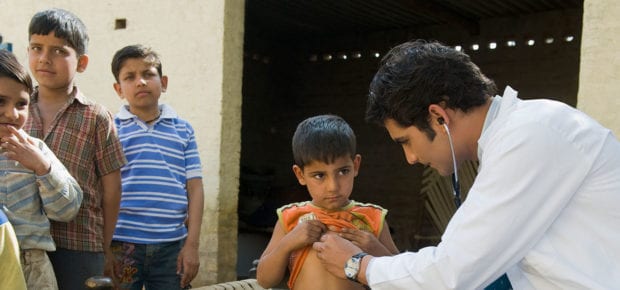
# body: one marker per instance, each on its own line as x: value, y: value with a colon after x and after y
x: 84, y: 138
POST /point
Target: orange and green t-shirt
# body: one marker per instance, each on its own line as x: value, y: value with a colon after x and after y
x: 363, y: 216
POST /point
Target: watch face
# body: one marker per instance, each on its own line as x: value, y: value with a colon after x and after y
x: 352, y: 268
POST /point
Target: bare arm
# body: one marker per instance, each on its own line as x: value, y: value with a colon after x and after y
x: 188, y: 262
x: 111, y: 184
x: 274, y: 260
x: 386, y: 239
x: 111, y: 202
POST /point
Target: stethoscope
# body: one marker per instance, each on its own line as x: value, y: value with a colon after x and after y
x: 502, y: 282
x: 456, y: 187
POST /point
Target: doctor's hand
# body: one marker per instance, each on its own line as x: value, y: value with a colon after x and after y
x: 334, y: 251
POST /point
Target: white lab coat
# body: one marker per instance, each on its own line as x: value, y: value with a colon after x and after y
x: 544, y: 208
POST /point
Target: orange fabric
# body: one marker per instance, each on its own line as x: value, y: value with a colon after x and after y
x: 363, y: 216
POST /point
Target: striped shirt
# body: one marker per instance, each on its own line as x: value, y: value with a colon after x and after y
x: 161, y: 158
x: 29, y: 200
x: 84, y: 138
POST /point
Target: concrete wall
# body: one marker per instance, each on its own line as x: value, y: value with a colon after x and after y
x: 201, y: 45
x: 599, y: 78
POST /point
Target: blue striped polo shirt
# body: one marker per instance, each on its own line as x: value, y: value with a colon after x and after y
x: 161, y: 158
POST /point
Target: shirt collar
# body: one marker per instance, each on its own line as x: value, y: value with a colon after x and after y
x: 75, y: 95
x: 166, y: 112
x: 499, y: 104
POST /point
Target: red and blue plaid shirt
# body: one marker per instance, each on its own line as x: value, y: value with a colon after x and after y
x: 83, y: 137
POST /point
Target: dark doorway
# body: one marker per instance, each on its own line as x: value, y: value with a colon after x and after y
x: 304, y: 58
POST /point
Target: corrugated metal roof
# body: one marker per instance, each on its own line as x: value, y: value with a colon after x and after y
x: 290, y: 19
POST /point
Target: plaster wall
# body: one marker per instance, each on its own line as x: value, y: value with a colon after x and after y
x: 600, y: 63
x: 201, y: 46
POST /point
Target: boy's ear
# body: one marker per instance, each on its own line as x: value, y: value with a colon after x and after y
x: 299, y: 173
x: 164, y: 83
x: 82, y: 63
x: 117, y: 89
x: 357, y: 161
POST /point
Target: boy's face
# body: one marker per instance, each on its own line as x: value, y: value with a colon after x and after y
x: 14, y: 99
x: 329, y: 185
x: 140, y: 84
x: 53, y: 62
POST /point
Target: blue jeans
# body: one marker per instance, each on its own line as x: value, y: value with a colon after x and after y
x: 153, y: 266
x: 72, y: 268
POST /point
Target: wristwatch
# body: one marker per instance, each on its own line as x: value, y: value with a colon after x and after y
x: 352, y: 266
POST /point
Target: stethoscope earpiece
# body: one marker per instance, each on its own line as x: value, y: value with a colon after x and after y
x: 456, y: 187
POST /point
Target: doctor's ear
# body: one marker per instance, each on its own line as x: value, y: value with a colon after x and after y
x: 437, y: 113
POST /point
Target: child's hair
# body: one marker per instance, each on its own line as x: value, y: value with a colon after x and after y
x: 64, y: 24
x: 323, y: 138
x: 135, y: 51
x: 11, y: 68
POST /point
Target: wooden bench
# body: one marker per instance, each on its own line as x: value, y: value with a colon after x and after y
x: 247, y: 284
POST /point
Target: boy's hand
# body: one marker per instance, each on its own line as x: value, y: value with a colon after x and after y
x: 187, y: 264
x: 306, y: 233
x: 365, y: 240
x: 20, y: 147
x: 108, y: 266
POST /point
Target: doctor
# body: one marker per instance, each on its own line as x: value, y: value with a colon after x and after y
x: 544, y: 208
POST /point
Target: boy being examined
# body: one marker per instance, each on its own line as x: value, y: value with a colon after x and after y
x: 82, y: 135
x: 324, y: 150
x: 36, y: 186
x: 157, y: 234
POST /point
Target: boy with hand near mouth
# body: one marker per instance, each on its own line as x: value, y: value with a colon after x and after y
x: 36, y: 186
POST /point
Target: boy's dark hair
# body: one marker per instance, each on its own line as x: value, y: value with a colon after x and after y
x: 416, y: 74
x: 135, y: 51
x: 64, y: 24
x: 11, y: 68
x: 323, y: 138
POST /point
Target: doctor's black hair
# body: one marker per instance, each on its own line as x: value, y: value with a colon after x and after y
x: 418, y: 73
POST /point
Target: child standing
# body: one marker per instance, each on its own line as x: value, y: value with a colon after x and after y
x: 162, y: 200
x: 82, y: 135
x: 35, y: 184
x: 326, y: 163
x: 11, y: 273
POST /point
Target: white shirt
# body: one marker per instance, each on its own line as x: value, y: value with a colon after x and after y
x: 544, y: 208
